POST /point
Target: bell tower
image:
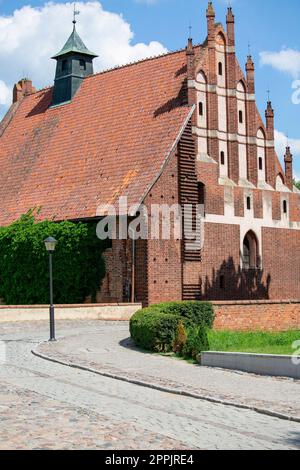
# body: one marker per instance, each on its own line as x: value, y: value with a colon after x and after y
x: 74, y: 63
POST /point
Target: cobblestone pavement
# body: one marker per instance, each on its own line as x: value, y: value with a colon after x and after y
x: 47, y: 405
x: 108, y: 349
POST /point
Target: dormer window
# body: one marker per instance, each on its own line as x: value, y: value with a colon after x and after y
x: 220, y: 68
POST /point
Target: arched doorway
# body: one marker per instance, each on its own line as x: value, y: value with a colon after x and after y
x: 250, y: 251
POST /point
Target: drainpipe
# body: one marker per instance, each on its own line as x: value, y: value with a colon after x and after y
x: 133, y: 269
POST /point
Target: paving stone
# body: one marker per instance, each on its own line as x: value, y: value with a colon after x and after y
x: 52, y: 406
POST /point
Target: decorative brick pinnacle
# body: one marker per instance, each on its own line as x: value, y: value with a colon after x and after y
x: 269, y: 110
x: 250, y: 63
x: 190, y: 47
x: 210, y: 12
x: 288, y: 157
x: 230, y: 15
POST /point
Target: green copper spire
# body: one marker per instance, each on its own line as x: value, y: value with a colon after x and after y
x: 74, y: 44
x: 74, y: 64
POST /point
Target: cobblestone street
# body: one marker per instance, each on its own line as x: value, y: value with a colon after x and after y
x: 49, y: 406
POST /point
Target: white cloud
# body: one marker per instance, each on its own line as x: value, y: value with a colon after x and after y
x: 5, y: 94
x: 286, y: 60
x: 30, y: 36
x: 281, y: 141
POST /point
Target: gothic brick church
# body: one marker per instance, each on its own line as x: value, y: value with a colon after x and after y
x: 179, y: 128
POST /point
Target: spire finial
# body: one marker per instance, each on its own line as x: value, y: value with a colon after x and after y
x: 249, y: 49
x: 190, y: 30
x: 75, y: 13
x: 268, y: 92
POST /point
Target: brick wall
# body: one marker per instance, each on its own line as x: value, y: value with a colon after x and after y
x: 281, y: 261
x: 164, y: 277
x: 257, y: 315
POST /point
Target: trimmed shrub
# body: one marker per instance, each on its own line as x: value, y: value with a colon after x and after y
x: 180, y: 338
x: 78, y: 265
x: 153, y: 331
x: 197, y: 342
x: 162, y: 327
x: 195, y: 312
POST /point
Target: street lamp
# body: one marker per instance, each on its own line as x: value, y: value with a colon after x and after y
x: 50, y: 244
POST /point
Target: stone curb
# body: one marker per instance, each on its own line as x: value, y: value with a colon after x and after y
x: 161, y: 388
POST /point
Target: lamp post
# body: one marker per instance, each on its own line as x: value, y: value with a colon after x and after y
x: 50, y: 244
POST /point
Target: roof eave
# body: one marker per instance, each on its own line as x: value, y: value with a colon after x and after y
x: 74, y: 51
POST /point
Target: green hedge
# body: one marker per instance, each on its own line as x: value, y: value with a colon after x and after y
x: 78, y: 265
x: 198, y: 313
x: 155, y: 328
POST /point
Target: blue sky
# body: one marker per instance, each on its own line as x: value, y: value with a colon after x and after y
x: 148, y: 27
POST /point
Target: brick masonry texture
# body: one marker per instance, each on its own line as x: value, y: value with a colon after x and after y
x: 266, y: 316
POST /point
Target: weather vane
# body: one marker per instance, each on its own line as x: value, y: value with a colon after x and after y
x: 76, y: 13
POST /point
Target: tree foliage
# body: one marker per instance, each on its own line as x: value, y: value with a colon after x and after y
x: 297, y: 184
x: 78, y: 265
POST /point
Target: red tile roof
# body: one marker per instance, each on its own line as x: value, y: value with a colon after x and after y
x: 112, y: 140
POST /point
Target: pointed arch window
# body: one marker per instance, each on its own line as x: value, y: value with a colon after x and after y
x: 250, y: 252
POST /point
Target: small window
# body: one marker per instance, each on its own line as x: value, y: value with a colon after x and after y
x: 64, y: 65
x: 220, y: 68
x: 222, y: 158
x: 201, y: 194
x: 200, y: 109
x: 241, y: 117
x: 285, y: 207
x: 222, y: 282
x: 260, y: 163
x: 82, y: 64
x: 248, y: 203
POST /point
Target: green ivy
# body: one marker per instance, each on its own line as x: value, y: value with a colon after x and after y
x: 78, y: 265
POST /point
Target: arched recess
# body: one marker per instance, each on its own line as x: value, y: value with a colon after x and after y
x: 251, y: 257
x: 201, y: 77
x: 241, y: 105
x: 261, y: 154
x: 221, y: 59
x: 280, y: 183
x: 202, y: 103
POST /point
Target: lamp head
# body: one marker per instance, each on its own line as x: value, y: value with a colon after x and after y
x: 50, y: 244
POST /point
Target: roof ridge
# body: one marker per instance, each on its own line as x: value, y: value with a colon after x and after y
x: 128, y: 64
x: 140, y: 61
